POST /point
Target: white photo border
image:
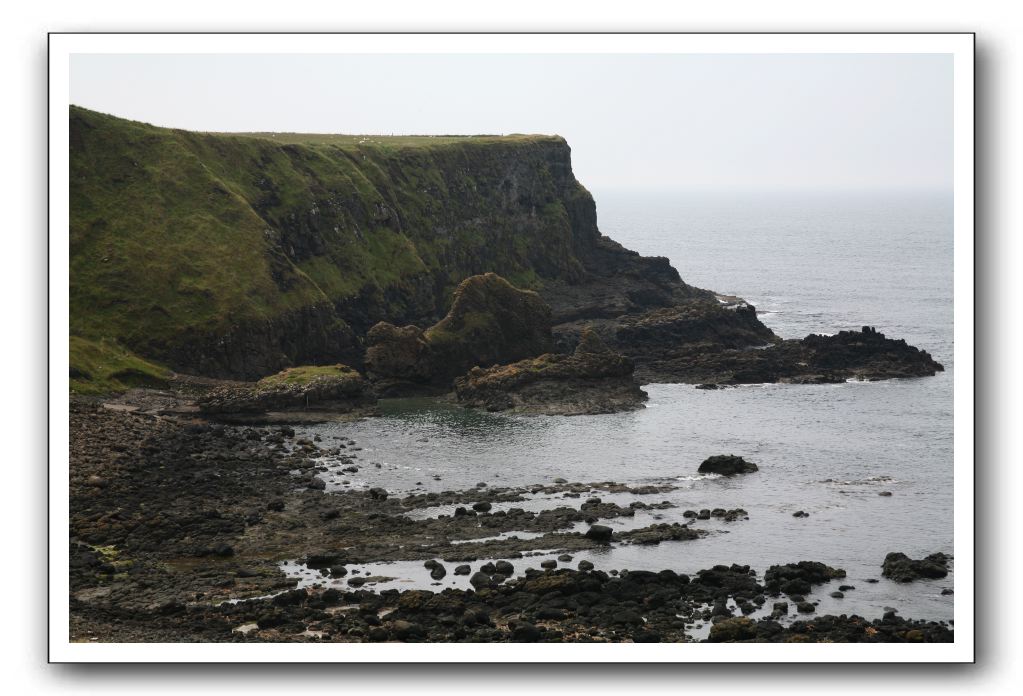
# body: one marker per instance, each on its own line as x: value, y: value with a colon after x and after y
x: 63, y: 45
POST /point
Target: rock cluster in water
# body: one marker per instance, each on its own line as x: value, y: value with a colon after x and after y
x: 901, y: 568
x: 169, y: 518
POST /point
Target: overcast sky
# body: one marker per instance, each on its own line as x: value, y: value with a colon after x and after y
x: 657, y: 122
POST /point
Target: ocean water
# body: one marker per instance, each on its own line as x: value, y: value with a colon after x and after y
x: 815, y: 264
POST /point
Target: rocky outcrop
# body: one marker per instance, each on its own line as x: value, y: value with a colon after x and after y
x: 726, y: 465
x: 901, y: 568
x: 399, y: 361
x: 866, y: 355
x: 592, y: 379
x: 490, y: 322
x: 334, y: 387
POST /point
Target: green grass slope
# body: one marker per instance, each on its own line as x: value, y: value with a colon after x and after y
x: 236, y: 255
x: 102, y: 368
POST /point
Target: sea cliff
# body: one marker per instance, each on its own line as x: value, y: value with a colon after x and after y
x: 239, y: 255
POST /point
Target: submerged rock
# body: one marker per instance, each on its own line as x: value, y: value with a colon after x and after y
x: 592, y: 379
x: 326, y: 387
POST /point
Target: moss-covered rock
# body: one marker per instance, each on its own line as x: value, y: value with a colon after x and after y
x: 592, y: 379
x: 328, y: 387
x: 490, y: 321
x: 740, y: 628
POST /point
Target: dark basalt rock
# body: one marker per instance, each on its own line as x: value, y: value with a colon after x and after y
x: 901, y: 568
x: 490, y: 322
x: 866, y: 355
x: 733, y: 630
x: 398, y: 359
x: 798, y: 578
x: 335, y: 388
x: 599, y: 532
x: 592, y: 379
x: 479, y: 580
x: 726, y: 465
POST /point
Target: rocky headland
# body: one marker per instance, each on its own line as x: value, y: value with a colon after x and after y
x: 412, y: 260
x: 219, y: 279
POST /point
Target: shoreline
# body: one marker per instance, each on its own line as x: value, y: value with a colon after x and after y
x: 171, y: 516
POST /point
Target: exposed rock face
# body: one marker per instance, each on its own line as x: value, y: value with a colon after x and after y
x: 398, y: 360
x: 335, y: 387
x: 726, y: 465
x: 729, y: 323
x: 490, y: 322
x: 901, y: 568
x: 865, y: 354
x: 592, y: 379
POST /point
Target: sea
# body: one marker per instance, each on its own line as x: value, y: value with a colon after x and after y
x: 814, y: 263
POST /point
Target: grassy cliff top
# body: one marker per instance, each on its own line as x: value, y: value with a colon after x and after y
x: 344, y: 141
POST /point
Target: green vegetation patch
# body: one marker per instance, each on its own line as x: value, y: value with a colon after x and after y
x: 306, y: 374
x: 103, y: 367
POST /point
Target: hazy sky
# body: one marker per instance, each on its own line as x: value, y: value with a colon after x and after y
x: 664, y: 122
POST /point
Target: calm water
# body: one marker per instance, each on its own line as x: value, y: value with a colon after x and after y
x: 818, y: 264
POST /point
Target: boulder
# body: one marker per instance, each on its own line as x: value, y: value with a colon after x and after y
x: 733, y: 630
x: 504, y: 568
x: 479, y: 580
x: 726, y: 465
x: 901, y: 568
x: 799, y: 578
x: 599, y: 532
